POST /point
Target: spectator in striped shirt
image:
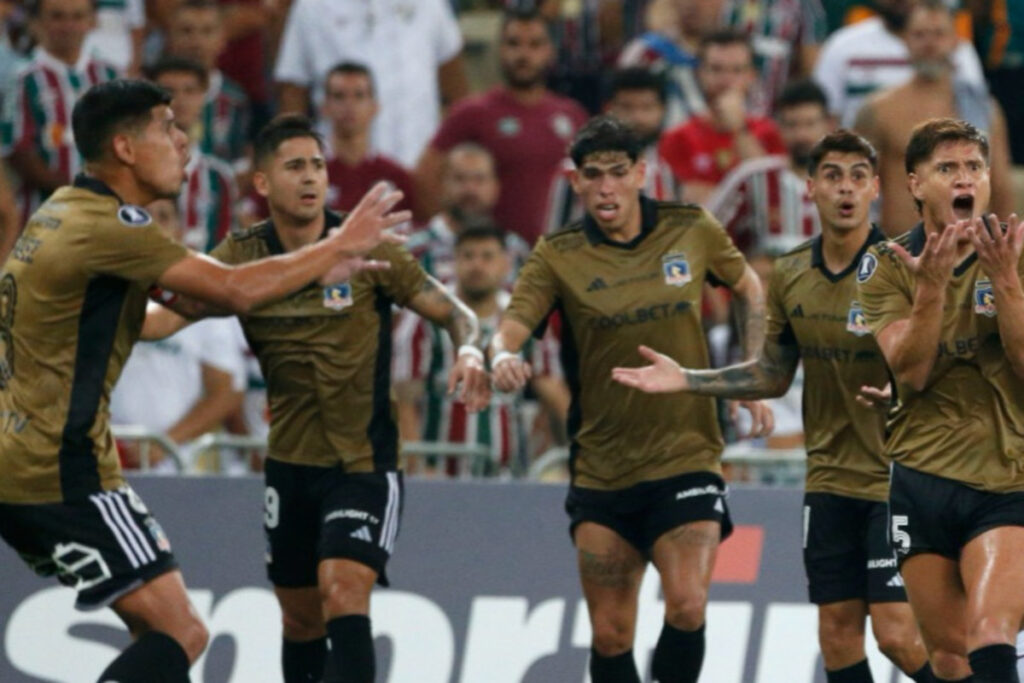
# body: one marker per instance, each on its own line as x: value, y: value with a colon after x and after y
x: 206, y: 205
x: 424, y: 357
x: 764, y: 203
x: 37, y: 119
x: 197, y: 33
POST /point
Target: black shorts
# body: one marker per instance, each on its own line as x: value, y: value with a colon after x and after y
x: 932, y: 514
x: 847, y: 555
x: 104, y: 546
x: 642, y: 513
x: 317, y: 513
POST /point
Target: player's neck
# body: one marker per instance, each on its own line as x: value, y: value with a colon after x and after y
x: 628, y: 232
x: 484, y: 307
x: 123, y: 183
x: 941, y: 85
x: 529, y: 95
x: 351, y: 149
x: 295, y: 234
x: 840, y: 247
x: 69, y: 57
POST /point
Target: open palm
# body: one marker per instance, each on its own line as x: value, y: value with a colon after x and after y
x: 663, y: 375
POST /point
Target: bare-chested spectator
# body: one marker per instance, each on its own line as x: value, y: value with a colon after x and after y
x: 935, y: 91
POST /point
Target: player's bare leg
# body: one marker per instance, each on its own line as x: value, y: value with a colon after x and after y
x: 611, y: 570
x: 994, y: 575
x: 166, y: 630
x: 345, y: 587
x: 304, y: 650
x: 841, y: 633
x: 937, y: 597
x: 685, y: 557
x: 897, y: 635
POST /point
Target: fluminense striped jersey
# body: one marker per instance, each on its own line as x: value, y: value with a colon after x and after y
x: 38, y: 115
x: 424, y: 352
x: 206, y: 205
x: 764, y: 205
x: 225, y: 120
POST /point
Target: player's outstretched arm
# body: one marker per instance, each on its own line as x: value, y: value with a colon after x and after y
x: 510, y: 371
x: 999, y: 254
x: 238, y: 289
x: 439, y: 306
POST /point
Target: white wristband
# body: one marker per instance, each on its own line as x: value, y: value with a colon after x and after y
x: 503, y: 356
x: 470, y: 350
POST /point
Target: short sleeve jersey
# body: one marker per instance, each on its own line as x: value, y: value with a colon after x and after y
x: 817, y: 312
x: 612, y: 297
x: 968, y: 422
x: 72, y: 301
x: 325, y: 354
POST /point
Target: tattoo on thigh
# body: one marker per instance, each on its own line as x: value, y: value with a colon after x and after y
x: 694, y: 536
x: 609, y: 571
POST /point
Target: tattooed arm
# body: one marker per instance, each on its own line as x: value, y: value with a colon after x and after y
x: 750, y: 310
x: 442, y: 308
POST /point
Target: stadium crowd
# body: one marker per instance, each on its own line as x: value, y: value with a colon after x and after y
x: 469, y: 112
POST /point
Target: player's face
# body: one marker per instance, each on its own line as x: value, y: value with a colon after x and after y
x: 953, y: 184
x: 349, y: 103
x: 470, y: 184
x: 843, y: 187
x: 641, y: 109
x: 931, y: 41
x: 157, y: 154
x: 197, y: 34
x: 294, y: 180
x: 481, y: 266
x: 188, y: 96
x: 62, y: 26
x: 724, y: 68
x: 801, y: 127
x: 609, y: 185
x: 698, y: 17
x: 525, y: 53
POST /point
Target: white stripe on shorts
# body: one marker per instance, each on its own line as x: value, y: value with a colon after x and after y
x: 129, y: 521
x: 101, y: 504
x: 390, y: 527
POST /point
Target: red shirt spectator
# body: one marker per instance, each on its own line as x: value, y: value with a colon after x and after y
x: 697, y: 151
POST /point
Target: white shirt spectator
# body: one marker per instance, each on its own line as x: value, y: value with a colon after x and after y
x: 403, y: 42
x: 111, y: 40
x: 861, y: 58
x: 255, y: 413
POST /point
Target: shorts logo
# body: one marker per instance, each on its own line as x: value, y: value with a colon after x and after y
x: 134, y: 216
x: 896, y: 581
x: 338, y: 297
x: 676, y: 269
x: 866, y: 268
x: 363, y: 534
x: 709, y: 490
x: 856, y: 323
x: 984, y: 299
x: 82, y: 563
x: 157, y: 532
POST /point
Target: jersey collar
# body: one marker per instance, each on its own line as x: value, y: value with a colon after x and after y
x: 915, y: 244
x: 95, y: 185
x: 332, y: 219
x: 818, y: 258
x: 648, y: 221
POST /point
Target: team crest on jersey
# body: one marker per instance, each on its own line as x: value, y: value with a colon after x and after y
x: 984, y: 298
x: 867, y: 267
x: 337, y: 297
x: 562, y: 125
x: 134, y: 216
x: 676, y: 269
x: 509, y: 126
x: 856, y: 323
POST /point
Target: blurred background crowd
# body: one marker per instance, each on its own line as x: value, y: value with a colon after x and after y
x: 468, y: 106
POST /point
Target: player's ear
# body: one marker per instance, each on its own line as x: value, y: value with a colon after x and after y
x: 640, y: 168
x: 574, y: 180
x: 261, y: 183
x: 124, y: 148
x: 876, y: 186
x: 914, y: 185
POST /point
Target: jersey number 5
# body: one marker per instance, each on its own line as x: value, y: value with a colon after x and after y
x: 900, y: 538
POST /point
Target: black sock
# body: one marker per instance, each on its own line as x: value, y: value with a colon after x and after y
x: 855, y: 673
x: 678, y: 656
x: 303, y: 661
x: 617, y: 669
x: 994, y: 664
x: 154, y: 658
x: 923, y: 675
x: 352, y: 648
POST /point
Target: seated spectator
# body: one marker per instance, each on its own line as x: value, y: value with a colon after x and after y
x: 37, y: 120
x: 675, y: 29
x: 207, y: 201
x: 117, y: 37
x: 197, y: 33
x: 763, y: 203
x: 637, y: 98
x: 424, y: 356
x: 858, y: 59
x: 469, y: 193
x: 524, y: 125
x: 183, y: 386
x: 889, y: 117
x: 702, y: 150
x: 413, y: 49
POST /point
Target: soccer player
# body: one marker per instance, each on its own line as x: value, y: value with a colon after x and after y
x: 945, y: 303
x: 72, y: 300
x: 646, y: 473
x: 814, y: 316
x: 333, y: 486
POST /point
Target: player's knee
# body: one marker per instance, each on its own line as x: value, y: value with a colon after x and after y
x: 686, y: 612
x: 839, y: 638
x: 193, y: 638
x: 895, y: 642
x: 302, y: 625
x: 988, y: 630
x: 612, y: 637
x: 345, y: 594
x: 948, y: 665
